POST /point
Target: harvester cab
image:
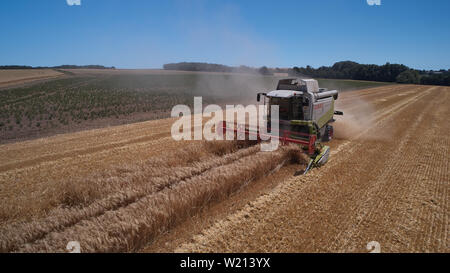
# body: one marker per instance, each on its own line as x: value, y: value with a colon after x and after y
x: 305, y: 116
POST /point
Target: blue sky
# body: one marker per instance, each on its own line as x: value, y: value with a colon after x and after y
x: 147, y: 34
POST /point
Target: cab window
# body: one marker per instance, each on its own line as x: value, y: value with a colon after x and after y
x: 284, y: 107
x: 297, y: 108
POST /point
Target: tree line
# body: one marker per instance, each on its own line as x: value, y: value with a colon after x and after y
x: 207, y: 67
x: 383, y: 73
x: 341, y: 70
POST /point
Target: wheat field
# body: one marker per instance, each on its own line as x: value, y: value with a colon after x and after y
x: 133, y: 188
x: 19, y: 76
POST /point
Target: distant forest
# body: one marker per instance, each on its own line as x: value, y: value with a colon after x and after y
x: 398, y: 73
x: 67, y: 66
x: 184, y: 66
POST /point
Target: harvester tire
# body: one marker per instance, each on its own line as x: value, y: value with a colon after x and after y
x: 328, y: 133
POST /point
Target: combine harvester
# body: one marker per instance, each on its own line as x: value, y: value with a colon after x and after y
x: 305, y: 114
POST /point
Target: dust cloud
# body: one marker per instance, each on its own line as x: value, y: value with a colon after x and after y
x: 359, y: 116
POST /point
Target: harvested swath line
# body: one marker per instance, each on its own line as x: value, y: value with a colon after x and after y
x: 16, y: 234
x: 130, y: 227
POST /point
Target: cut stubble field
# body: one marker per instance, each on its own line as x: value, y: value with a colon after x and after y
x: 133, y: 188
x: 11, y: 77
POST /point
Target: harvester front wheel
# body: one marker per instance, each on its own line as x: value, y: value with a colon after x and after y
x: 328, y: 135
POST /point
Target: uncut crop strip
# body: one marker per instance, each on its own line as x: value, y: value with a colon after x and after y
x: 129, y: 227
x: 142, y: 180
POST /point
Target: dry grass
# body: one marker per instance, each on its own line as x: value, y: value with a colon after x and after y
x: 10, y: 76
x: 179, y: 183
x: 221, y: 148
x: 130, y: 227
